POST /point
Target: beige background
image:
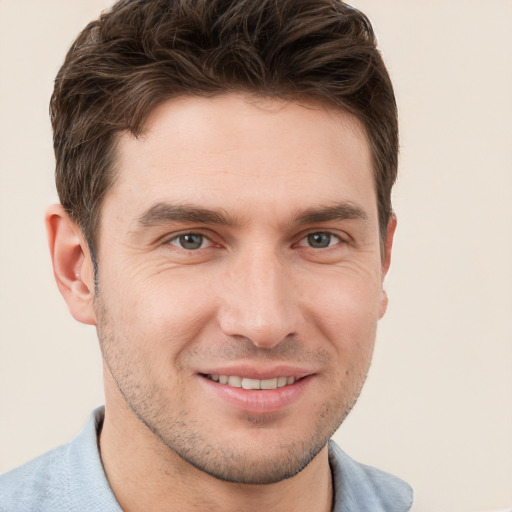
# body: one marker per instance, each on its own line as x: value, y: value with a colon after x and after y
x: 437, y: 408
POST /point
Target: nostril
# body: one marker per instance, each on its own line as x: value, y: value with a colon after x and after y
x: 258, y: 308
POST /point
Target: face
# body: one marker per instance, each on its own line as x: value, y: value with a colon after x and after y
x: 240, y: 281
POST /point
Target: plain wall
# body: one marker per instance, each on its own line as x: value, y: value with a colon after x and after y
x: 437, y: 406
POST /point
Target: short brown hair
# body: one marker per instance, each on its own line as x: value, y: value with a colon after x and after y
x: 143, y: 52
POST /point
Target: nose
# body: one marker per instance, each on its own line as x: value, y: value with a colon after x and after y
x: 259, y: 300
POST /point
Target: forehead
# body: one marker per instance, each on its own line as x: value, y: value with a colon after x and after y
x: 244, y: 151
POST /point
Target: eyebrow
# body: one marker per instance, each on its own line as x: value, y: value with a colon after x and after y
x: 166, y: 212
x: 340, y: 211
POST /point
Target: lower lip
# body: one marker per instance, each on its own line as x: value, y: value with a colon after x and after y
x: 257, y: 401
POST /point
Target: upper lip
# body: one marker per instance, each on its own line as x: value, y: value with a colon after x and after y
x: 260, y: 373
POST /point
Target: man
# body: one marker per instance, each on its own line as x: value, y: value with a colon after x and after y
x: 224, y: 170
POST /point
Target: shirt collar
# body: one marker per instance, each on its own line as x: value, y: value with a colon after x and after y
x: 357, y: 488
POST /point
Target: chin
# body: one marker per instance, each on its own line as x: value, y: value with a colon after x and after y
x: 262, y: 468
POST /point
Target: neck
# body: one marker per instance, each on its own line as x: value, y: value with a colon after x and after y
x: 146, y: 475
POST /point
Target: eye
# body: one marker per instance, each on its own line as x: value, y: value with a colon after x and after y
x: 190, y: 241
x: 320, y: 240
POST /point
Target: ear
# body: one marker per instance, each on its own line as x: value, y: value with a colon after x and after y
x: 72, y: 264
x: 386, y: 262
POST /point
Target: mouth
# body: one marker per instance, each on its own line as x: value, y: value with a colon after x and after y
x: 235, y: 381
x: 275, y: 391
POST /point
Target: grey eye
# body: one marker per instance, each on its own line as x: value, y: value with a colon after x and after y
x: 319, y: 240
x: 190, y: 241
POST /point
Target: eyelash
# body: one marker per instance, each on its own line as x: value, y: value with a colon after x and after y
x: 177, y: 238
x: 331, y: 236
x: 305, y: 238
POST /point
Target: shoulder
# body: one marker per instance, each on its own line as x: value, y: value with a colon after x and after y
x: 41, y: 484
x: 67, y: 479
x: 362, y: 488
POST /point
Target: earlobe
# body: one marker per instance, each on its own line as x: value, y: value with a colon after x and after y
x: 386, y: 261
x: 72, y: 265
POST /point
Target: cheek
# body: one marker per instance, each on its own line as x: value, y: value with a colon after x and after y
x: 347, y: 305
x: 345, y: 312
x: 158, y: 315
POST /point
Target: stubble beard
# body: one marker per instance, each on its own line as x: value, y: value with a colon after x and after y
x: 185, y: 437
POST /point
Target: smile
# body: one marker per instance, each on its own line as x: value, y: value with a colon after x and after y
x: 246, y: 383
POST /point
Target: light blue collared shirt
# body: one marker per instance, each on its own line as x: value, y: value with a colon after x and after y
x: 71, y: 479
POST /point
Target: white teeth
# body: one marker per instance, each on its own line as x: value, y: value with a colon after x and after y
x: 246, y: 383
x: 236, y: 382
x: 269, y: 384
x: 251, y: 383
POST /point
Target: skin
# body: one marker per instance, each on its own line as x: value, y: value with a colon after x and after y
x: 252, y: 179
